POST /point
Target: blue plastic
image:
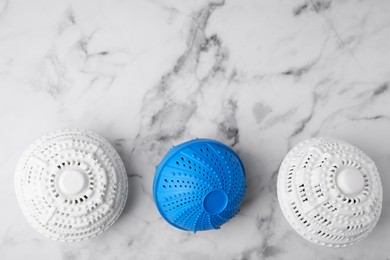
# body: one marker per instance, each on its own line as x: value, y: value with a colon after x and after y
x: 199, y: 185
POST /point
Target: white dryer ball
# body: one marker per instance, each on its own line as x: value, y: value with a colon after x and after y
x: 330, y: 192
x: 71, y: 185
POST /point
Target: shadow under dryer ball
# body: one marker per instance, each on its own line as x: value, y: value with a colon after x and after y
x: 71, y: 185
x: 199, y: 185
x: 330, y: 192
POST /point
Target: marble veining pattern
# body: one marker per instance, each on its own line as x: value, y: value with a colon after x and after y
x: 260, y: 76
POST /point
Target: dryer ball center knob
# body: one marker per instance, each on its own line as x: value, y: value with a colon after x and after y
x: 71, y: 182
x: 330, y: 192
x: 215, y: 202
x: 350, y: 181
x: 199, y: 185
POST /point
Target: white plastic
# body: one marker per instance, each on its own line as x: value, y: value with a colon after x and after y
x: 330, y: 192
x: 71, y: 185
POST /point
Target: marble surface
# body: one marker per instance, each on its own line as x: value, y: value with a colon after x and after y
x: 260, y: 76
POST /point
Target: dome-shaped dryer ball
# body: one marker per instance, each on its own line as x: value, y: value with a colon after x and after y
x: 199, y: 185
x: 330, y: 192
x: 71, y: 185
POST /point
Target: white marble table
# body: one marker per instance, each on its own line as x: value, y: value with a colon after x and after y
x: 260, y: 76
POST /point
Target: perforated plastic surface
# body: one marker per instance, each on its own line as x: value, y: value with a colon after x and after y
x: 71, y: 185
x: 199, y: 185
x: 330, y: 192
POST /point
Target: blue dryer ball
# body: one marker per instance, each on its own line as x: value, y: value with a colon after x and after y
x: 199, y: 185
